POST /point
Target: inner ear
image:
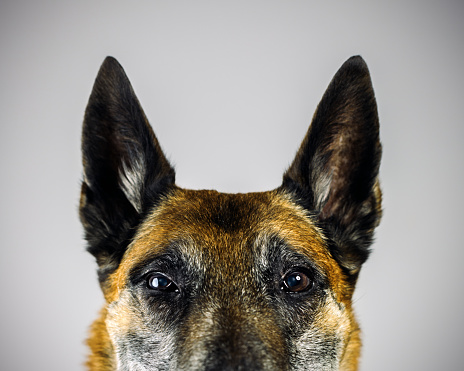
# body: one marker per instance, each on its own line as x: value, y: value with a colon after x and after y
x: 350, y: 170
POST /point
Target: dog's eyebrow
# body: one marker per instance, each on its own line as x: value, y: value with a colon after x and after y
x: 165, y: 259
x: 273, y: 248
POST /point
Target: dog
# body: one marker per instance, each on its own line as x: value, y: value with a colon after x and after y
x: 202, y: 280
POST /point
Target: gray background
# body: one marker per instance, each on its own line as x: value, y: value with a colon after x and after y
x: 230, y: 88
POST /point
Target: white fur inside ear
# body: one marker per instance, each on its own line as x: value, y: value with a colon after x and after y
x: 321, y: 188
x: 131, y: 180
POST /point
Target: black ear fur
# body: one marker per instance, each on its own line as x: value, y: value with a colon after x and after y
x: 334, y: 174
x: 125, y: 171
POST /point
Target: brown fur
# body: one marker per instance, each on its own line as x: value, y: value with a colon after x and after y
x: 182, y: 215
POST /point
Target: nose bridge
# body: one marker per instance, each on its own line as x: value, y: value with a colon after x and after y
x: 235, y: 332
x: 233, y: 294
x: 231, y: 325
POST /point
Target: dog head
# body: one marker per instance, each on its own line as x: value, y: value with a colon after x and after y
x: 202, y: 280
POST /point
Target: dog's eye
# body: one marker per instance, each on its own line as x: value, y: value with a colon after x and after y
x: 296, y: 282
x: 160, y: 282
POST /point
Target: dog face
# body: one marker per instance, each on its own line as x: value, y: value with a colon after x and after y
x: 202, y: 280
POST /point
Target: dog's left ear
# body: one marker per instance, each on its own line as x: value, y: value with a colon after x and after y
x: 334, y: 174
x: 125, y: 170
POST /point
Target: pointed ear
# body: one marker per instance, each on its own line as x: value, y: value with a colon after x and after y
x: 334, y: 174
x: 125, y: 171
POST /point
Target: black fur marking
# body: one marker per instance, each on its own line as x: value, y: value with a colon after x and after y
x: 335, y: 170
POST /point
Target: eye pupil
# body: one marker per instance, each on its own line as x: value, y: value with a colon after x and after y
x: 297, y: 282
x: 161, y: 282
x: 293, y: 280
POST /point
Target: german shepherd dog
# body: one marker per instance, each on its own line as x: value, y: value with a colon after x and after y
x: 202, y: 280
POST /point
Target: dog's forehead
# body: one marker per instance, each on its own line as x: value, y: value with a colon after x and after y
x: 226, y: 228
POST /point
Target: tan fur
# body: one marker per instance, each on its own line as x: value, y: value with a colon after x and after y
x: 180, y: 216
x: 101, y: 356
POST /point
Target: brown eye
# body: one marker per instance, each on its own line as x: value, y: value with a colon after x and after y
x: 295, y: 282
x: 160, y: 282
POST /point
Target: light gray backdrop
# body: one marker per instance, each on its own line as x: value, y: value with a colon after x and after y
x: 230, y: 88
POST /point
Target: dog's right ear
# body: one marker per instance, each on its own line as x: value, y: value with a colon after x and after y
x: 125, y: 171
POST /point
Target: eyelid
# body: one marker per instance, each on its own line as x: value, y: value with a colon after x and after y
x: 157, y: 264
